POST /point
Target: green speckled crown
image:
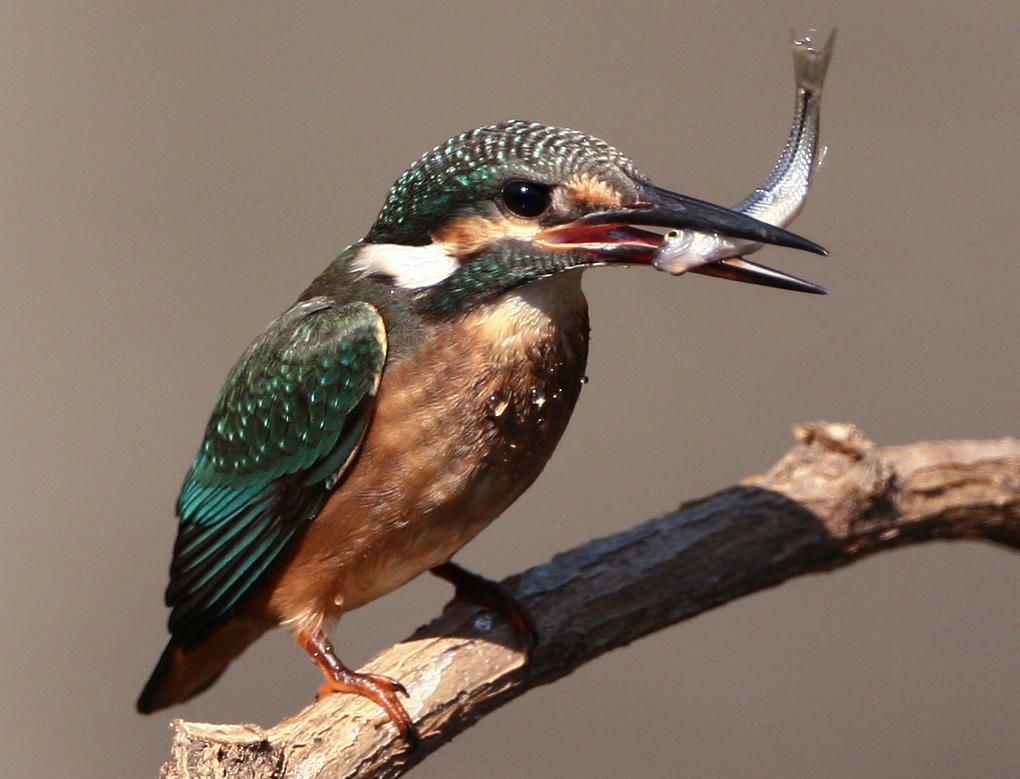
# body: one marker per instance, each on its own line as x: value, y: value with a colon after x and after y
x: 456, y: 172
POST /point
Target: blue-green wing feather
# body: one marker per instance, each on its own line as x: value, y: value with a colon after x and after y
x: 289, y: 419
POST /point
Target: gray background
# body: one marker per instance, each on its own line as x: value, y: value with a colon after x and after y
x: 173, y: 174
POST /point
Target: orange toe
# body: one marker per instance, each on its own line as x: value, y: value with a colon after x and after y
x: 379, y: 689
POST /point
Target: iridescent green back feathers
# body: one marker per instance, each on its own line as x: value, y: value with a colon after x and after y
x: 288, y: 421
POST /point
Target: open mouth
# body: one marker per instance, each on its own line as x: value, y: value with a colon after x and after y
x: 620, y: 242
x: 611, y: 235
x: 627, y: 244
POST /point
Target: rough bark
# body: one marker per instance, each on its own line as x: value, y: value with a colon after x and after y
x: 831, y: 500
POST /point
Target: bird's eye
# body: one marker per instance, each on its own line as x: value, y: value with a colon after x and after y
x: 526, y: 198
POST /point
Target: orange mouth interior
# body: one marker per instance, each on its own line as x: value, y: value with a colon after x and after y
x: 621, y: 241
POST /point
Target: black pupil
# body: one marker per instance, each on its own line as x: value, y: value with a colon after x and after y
x: 525, y: 199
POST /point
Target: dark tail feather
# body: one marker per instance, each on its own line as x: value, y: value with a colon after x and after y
x: 148, y: 701
x: 180, y: 676
x: 175, y: 679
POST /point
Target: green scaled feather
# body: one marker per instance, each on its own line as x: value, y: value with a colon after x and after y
x: 289, y: 419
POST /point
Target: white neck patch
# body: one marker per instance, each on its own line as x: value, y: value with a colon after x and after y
x: 410, y: 267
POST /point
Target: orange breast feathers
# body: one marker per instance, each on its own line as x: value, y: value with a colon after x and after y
x: 461, y: 428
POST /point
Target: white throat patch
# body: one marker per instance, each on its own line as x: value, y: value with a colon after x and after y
x: 410, y: 267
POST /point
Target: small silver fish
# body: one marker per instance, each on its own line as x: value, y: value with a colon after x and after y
x: 778, y: 201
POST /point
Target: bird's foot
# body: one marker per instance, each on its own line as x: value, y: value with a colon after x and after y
x: 379, y: 689
x: 491, y: 595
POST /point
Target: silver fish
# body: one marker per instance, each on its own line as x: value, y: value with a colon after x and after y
x: 778, y: 201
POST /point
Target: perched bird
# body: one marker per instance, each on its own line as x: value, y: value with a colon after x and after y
x: 411, y: 394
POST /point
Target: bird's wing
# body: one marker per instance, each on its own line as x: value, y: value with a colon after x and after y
x: 288, y: 421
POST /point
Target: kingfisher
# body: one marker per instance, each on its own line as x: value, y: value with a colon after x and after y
x: 415, y: 389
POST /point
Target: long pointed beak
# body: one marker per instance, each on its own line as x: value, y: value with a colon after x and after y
x: 657, y: 207
x: 739, y: 269
x: 611, y: 236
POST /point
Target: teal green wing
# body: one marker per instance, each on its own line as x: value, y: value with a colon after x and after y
x: 288, y: 421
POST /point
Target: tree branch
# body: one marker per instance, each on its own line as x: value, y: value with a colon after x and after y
x: 831, y: 500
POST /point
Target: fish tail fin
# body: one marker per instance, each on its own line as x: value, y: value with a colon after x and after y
x: 809, y: 62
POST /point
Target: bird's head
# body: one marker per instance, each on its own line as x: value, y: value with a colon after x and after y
x: 504, y: 205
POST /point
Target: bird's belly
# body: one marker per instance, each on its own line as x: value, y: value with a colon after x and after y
x: 461, y: 428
